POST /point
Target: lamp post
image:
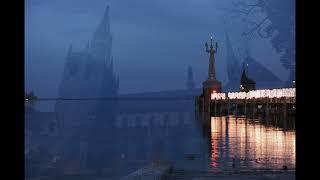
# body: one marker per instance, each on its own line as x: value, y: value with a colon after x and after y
x: 247, y: 69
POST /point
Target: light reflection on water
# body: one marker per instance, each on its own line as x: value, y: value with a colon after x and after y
x: 247, y: 144
x: 140, y: 132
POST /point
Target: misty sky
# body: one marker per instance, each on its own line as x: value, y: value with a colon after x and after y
x: 154, y: 41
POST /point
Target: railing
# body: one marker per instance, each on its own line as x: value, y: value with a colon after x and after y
x: 263, y: 93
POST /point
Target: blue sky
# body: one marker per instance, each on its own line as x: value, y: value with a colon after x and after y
x: 153, y: 41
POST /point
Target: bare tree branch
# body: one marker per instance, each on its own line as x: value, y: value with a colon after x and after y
x: 258, y: 26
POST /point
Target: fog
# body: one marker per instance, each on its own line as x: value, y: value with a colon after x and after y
x: 153, y: 41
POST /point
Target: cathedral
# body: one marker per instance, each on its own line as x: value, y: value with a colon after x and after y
x: 86, y: 94
x: 87, y: 74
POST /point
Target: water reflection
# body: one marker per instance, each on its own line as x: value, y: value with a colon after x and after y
x: 114, y: 142
x: 245, y: 144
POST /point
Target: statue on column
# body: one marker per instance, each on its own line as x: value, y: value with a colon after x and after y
x: 211, y: 84
x: 211, y: 51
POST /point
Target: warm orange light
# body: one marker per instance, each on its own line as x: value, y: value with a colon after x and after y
x: 265, y: 147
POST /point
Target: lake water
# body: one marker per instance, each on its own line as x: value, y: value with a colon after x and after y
x: 249, y: 145
x: 125, y: 135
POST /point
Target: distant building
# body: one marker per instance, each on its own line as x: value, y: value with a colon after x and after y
x: 87, y: 74
x: 190, y: 82
x: 246, y: 83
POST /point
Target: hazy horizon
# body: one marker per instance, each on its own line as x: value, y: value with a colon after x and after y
x: 154, y: 42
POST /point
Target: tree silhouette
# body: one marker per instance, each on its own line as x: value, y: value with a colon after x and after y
x: 274, y: 20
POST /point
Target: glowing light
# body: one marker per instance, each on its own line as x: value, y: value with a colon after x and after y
x: 218, y: 96
x: 267, y: 146
x: 263, y: 93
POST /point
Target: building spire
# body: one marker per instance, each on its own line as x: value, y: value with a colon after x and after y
x: 104, y: 26
x: 190, y: 81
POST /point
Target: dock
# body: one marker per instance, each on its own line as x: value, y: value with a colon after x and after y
x: 259, y: 102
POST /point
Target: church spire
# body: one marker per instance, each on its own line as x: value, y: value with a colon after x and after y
x: 104, y: 26
x: 190, y: 81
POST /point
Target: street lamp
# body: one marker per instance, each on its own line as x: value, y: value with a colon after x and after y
x: 247, y: 69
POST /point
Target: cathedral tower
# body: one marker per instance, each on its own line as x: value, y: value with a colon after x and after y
x: 87, y: 74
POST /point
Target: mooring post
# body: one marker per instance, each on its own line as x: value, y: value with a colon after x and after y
x: 285, y: 123
x: 285, y: 107
x: 228, y: 106
x: 276, y: 106
x: 254, y: 107
x: 221, y: 104
x: 236, y: 106
x: 267, y: 107
x: 245, y: 107
x: 215, y: 108
x: 272, y: 106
